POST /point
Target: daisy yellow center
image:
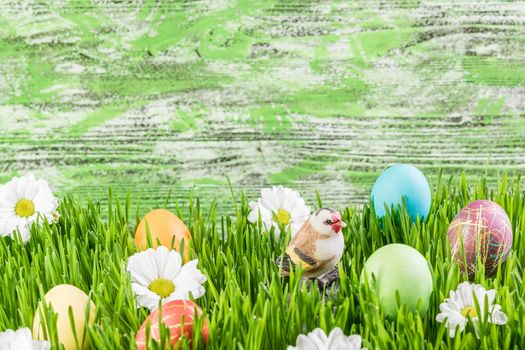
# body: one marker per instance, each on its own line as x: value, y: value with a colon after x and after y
x: 469, y: 311
x: 283, y: 216
x: 162, y: 287
x: 24, y: 208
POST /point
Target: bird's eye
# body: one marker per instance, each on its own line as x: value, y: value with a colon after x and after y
x: 328, y: 222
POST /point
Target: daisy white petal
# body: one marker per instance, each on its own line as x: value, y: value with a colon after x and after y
x: 491, y: 294
x: 269, y: 223
x: 497, y: 316
x: 301, y: 212
x: 142, y: 267
x: 173, y: 266
x: 161, y: 256
x: 9, y: 194
x: 290, y: 200
x: 21, y: 184
x: 280, y: 206
x: 452, y: 329
x: 304, y: 343
x: 190, y: 280
x: 460, y: 306
x: 21, y: 340
x: 355, y: 340
x: 441, y: 317
x: 276, y: 229
x: 25, y: 201
x: 253, y: 216
x: 25, y: 233
x: 44, y: 200
x: 268, y: 216
x: 145, y: 297
x: 158, y: 274
x: 256, y: 209
x: 281, y: 195
x: 31, y: 190
x: 318, y: 340
x: 268, y: 198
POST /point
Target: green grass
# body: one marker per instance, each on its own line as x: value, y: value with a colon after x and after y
x: 247, y: 304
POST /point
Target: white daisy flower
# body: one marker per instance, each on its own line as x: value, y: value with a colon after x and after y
x: 159, y: 274
x: 461, y: 305
x: 21, y: 340
x: 336, y: 340
x: 24, y: 201
x: 280, y: 205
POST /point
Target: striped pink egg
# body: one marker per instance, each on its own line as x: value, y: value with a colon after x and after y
x: 177, y: 315
x: 480, y: 233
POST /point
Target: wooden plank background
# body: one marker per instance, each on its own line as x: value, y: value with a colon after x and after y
x: 149, y: 96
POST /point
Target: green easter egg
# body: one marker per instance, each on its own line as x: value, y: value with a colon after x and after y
x: 398, y: 267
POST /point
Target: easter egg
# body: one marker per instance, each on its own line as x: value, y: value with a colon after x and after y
x: 165, y: 228
x: 61, y: 298
x: 399, y: 268
x: 398, y: 182
x: 480, y: 234
x: 177, y: 316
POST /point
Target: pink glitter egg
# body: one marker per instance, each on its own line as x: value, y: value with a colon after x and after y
x: 480, y: 234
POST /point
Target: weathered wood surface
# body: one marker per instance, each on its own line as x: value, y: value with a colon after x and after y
x: 152, y: 96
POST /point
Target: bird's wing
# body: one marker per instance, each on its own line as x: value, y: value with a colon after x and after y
x: 294, y: 256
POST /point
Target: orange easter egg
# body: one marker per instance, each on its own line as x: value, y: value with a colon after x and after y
x: 166, y: 228
x: 177, y: 316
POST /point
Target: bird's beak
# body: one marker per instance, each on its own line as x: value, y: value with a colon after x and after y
x: 338, y: 223
x: 337, y: 226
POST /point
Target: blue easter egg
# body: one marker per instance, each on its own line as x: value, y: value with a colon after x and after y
x: 400, y: 181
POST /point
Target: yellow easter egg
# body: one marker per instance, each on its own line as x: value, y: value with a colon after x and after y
x: 61, y: 298
x: 164, y: 227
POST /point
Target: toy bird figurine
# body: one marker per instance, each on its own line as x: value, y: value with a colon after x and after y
x: 317, y: 246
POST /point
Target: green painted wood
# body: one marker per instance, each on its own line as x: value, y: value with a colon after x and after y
x: 150, y: 96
